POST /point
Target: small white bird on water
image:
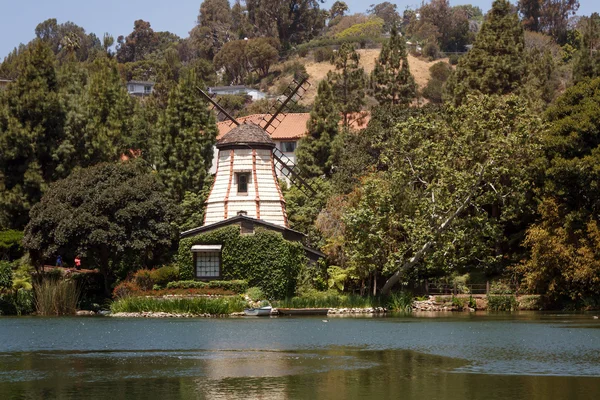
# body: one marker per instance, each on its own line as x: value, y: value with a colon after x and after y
x: 326, y: 320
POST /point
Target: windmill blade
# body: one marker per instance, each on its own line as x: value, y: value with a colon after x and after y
x: 293, y: 94
x: 218, y: 107
x: 292, y: 172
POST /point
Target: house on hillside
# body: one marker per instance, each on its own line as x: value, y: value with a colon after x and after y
x: 140, y: 88
x: 255, y: 94
x: 4, y: 83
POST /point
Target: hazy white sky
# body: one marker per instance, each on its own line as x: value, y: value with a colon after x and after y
x: 18, y: 19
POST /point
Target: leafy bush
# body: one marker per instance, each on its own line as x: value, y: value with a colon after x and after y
x: 187, y: 285
x: 11, y: 246
x: 458, y: 302
x: 323, y: 54
x: 264, y: 260
x: 502, y: 303
x: 431, y: 50
x: 143, y: 279
x: 125, y: 289
x: 6, y: 275
x: 235, y: 286
x: 163, y: 275
x: 196, y: 305
x: 303, y: 52
x: 453, y: 59
x: 371, y: 28
x: 294, y: 68
x: 56, y: 297
x: 400, y: 301
x: 255, y: 294
x: 16, y: 302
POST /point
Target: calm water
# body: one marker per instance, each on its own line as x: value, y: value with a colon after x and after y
x: 466, y: 356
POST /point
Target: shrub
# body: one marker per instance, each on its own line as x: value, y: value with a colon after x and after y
x: 431, y: 50
x: 187, y: 285
x: 255, y: 294
x: 458, y: 302
x: 16, y: 302
x: 440, y: 71
x: 6, y: 275
x: 329, y: 299
x: 125, y: 289
x: 235, y: 286
x: 163, y: 275
x: 400, y: 301
x: 323, y: 54
x: 197, y: 305
x: 502, y: 303
x: 303, y: 52
x: 11, y: 246
x: 453, y: 59
x: 294, y: 68
x: 143, y: 279
x: 56, y: 297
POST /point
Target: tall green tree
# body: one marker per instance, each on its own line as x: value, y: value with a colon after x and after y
x: 587, y: 64
x: 138, y: 44
x: 31, y: 129
x: 315, y: 149
x: 99, y: 118
x: 292, y: 21
x: 348, y: 83
x: 185, y: 136
x: 496, y: 64
x: 564, y: 261
x: 391, y: 80
x: 115, y: 216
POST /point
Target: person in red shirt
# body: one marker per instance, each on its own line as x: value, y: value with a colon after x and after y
x: 77, y: 262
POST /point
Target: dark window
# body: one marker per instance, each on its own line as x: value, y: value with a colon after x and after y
x: 147, y: 89
x: 242, y: 181
x: 288, y: 147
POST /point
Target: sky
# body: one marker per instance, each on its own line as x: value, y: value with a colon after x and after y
x: 18, y: 19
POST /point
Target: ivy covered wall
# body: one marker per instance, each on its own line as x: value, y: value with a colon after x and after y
x: 265, y: 259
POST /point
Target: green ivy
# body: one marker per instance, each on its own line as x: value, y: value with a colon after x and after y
x: 6, y: 275
x: 265, y: 259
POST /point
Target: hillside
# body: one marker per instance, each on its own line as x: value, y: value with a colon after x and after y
x: 318, y: 70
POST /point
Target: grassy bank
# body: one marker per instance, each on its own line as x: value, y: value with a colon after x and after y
x: 224, y: 305
x: 395, y: 302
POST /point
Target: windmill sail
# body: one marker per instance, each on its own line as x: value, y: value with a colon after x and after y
x: 293, y: 94
x: 292, y: 172
x: 216, y: 106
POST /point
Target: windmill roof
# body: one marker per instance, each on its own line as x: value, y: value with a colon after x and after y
x: 246, y: 134
x: 292, y: 127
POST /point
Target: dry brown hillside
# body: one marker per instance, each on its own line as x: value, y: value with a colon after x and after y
x: 317, y: 71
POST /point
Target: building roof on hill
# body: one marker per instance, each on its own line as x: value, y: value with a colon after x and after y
x: 141, y: 82
x: 226, y: 88
x: 292, y: 127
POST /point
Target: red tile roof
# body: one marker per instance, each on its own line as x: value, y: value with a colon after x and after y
x: 292, y: 127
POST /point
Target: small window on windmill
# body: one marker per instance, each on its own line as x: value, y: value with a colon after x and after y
x: 242, y: 180
x: 207, y: 261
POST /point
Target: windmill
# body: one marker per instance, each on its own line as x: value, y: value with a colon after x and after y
x: 269, y: 123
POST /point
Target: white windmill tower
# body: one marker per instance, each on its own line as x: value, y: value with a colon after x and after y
x: 246, y: 181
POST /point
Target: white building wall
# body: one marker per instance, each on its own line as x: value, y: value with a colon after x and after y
x: 225, y: 202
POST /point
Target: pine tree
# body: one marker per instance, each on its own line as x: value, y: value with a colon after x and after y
x: 315, y: 149
x: 391, y: 79
x: 99, y: 119
x: 186, y: 134
x: 31, y: 129
x: 348, y: 82
x: 586, y: 64
x: 496, y: 64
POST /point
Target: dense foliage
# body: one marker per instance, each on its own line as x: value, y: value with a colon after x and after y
x: 264, y: 260
x: 115, y: 216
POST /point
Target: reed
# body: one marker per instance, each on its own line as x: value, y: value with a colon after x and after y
x: 195, y: 305
x: 328, y: 300
x: 56, y: 297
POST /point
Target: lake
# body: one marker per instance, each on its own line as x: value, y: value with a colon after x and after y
x: 432, y: 356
